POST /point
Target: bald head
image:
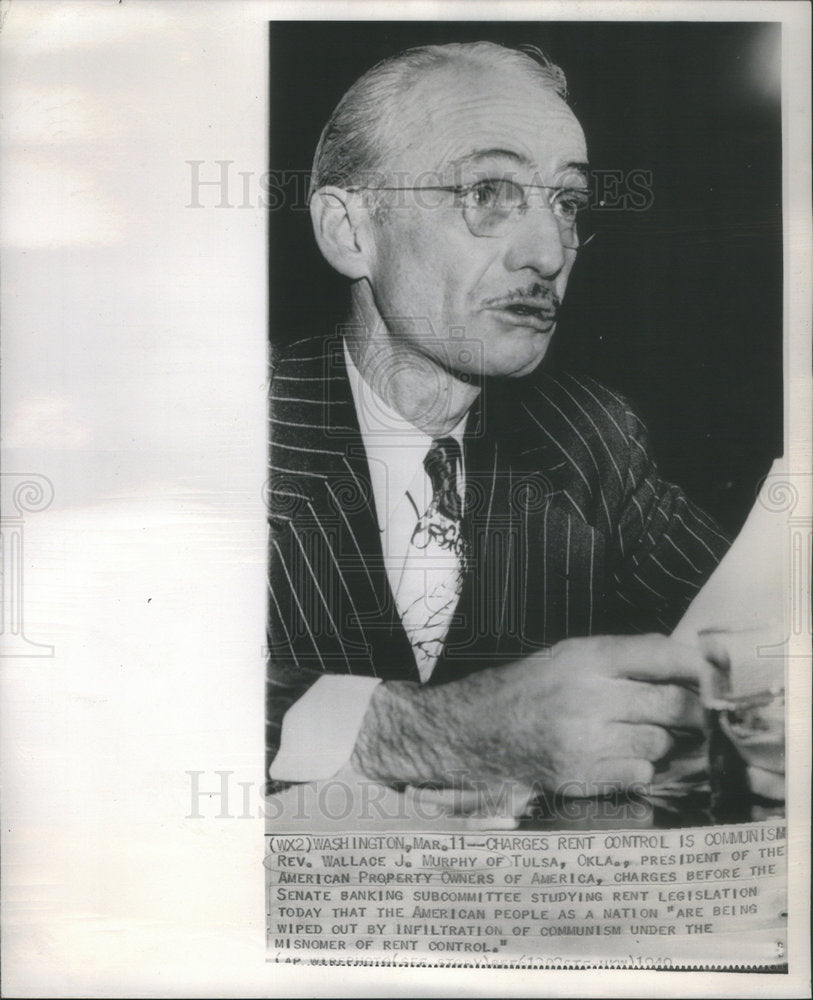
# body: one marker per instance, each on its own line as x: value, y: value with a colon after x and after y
x: 383, y: 110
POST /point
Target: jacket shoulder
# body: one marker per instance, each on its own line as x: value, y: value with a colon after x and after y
x: 583, y: 433
x: 304, y: 351
x: 582, y: 407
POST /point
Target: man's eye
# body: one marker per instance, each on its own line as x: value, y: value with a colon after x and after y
x: 490, y: 194
x: 569, y: 202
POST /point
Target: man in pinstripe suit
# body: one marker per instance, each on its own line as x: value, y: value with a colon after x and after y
x: 447, y: 188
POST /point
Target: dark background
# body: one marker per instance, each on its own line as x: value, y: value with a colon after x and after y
x: 679, y: 306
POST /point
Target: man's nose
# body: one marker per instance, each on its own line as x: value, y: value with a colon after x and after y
x: 536, y: 241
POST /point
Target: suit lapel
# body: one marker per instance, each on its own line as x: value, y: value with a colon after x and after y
x: 534, y: 556
x: 317, y: 454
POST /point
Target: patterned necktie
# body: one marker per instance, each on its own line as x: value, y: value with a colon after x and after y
x: 436, y: 561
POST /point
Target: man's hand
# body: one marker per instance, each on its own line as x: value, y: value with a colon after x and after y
x: 749, y: 687
x: 591, y: 716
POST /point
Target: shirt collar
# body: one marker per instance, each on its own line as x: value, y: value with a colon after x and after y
x: 394, y: 447
x: 379, y: 421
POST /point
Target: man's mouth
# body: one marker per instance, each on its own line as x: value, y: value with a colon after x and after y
x: 540, y: 316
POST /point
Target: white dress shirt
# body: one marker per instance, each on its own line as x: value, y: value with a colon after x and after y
x: 320, y: 729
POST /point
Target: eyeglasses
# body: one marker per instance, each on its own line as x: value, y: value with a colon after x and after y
x: 492, y: 207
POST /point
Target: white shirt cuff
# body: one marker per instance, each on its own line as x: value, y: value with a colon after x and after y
x: 320, y: 729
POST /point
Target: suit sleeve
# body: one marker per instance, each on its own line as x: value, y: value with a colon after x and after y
x: 309, y: 661
x: 299, y: 642
x: 665, y: 546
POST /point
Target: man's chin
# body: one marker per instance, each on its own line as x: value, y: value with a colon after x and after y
x: 518, y: 359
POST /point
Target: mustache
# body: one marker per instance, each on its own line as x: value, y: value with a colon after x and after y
x: 536, y: 296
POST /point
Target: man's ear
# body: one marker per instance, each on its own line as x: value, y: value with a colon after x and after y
x: 341, y: 227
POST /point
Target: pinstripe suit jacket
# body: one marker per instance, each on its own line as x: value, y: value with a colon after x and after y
x: 571, y: 530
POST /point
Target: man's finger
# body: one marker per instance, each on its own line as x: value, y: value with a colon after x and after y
x: 624, y: 740
x: 648, y: 742
x: 768, y: 784
x: 655, y: 658
x: 669, y: 705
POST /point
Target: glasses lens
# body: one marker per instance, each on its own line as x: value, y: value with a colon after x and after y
x: 492, y: 206
x: 489, y: 205
x: 571, y: 207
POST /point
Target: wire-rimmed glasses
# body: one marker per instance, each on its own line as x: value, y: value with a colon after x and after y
x: 493, y: 206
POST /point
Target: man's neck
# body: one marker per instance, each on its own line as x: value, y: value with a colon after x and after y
x: 411, y: 382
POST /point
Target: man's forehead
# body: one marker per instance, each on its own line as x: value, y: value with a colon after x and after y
x: 502, y: 159
x: 454, y: 116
